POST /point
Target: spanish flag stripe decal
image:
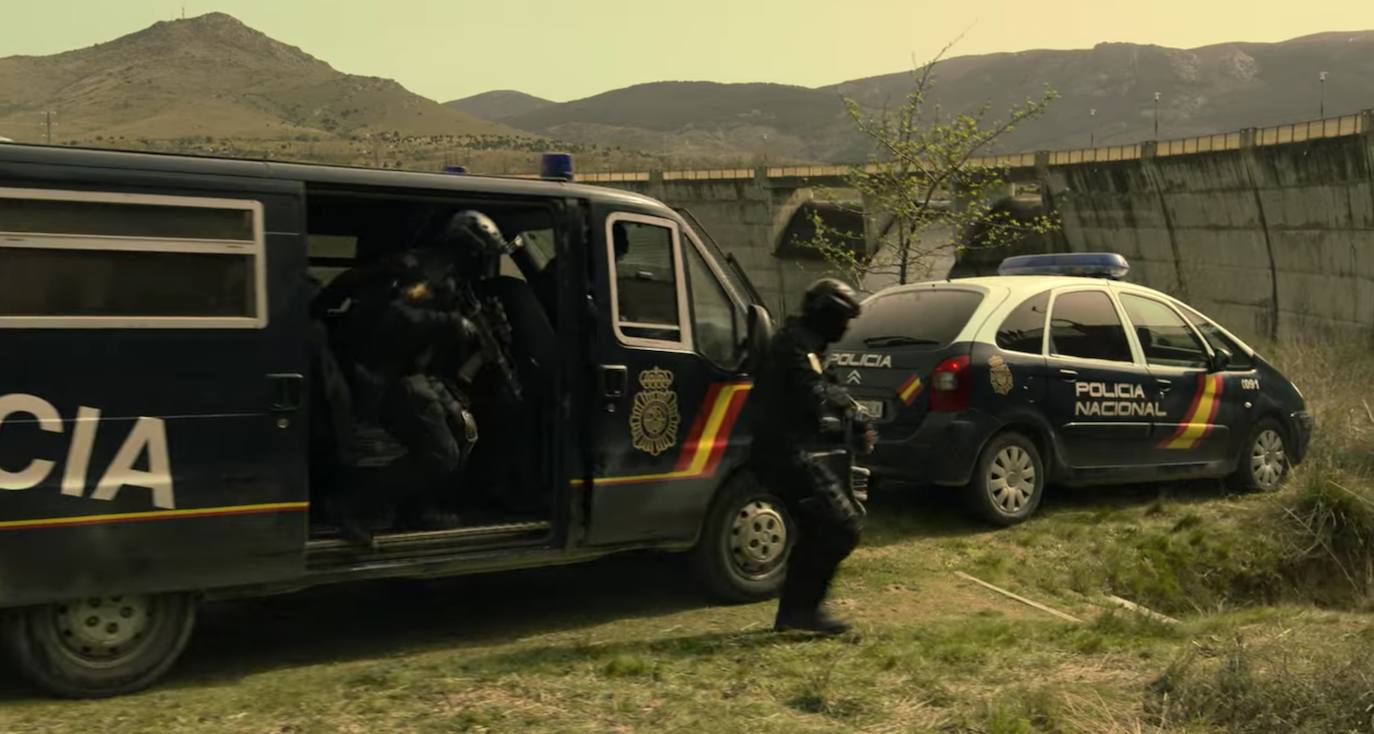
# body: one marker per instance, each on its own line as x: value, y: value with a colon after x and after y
x: 153, y: 516
x: 1198, y: 422
x: 910, y: 389
x: 705, y: 446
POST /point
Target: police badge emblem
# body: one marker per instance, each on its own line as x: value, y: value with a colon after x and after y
x: 654, y: 419
x: 999, y: 372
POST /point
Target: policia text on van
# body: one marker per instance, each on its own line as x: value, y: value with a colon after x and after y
x: 158, y: 417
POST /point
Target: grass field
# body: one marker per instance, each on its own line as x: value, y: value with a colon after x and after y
x: 1273, y: 602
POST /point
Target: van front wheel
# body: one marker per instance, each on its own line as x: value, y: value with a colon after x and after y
x: 99, y: 646
x: 745, y: 542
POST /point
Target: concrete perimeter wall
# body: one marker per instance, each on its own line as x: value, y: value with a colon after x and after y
x: 1274, y: 241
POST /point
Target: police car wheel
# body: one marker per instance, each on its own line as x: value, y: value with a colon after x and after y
x: 100, y: 646
x: 1008, y: 481
x: 1263, y: 465
x: 742, y: 554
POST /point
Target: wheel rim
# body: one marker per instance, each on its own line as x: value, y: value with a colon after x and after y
x: 1011, y: 479
x: 757, y: 541
x: 1268, y: 460
x: 104, y: 631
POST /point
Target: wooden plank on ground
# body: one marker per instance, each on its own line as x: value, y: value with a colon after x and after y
x: 1016, y: 597
x: 1142, y: 610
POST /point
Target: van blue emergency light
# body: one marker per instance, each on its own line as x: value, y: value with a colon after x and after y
x: 1094, y: 264
x: 556, y: 165
x: 455, y: 169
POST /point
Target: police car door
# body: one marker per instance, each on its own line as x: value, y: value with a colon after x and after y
x: 1188, y: 430
x: 1099, y: 397
x: 664, y: 411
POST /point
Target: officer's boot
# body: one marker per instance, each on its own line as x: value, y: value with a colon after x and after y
x: 354, y: 512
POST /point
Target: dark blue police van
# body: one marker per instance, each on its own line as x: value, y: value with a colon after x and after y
x: 1054, y: 370
x: 157, y: 402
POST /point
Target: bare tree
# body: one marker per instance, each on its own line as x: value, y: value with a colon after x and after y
x: 925, y: 185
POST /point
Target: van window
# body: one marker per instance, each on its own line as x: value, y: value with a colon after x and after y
x: 1024, y: 328
x: 1164, y: 338
x: 646, y: 286
x: 1085, y: 325
x: 76, y: 259
x: 925, y: 317
x: 717, y: 324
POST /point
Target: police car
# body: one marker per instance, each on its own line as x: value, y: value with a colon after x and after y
x: 1056, y: 371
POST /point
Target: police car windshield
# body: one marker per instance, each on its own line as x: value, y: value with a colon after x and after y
x: 932, y: 317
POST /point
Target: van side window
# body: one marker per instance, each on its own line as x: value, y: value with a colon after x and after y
x: 646, y: 286
x: 1085, y: 325
x: 1164, y: 338
x: 1024, y: 328
x: 76, y: 259
x: 716, y: 322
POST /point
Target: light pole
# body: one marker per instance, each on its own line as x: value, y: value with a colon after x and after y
x: 1156, y: 115
x: 1322, y: 78
x: 1092, y: 128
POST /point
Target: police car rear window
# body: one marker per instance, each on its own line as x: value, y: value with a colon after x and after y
x: 915, y: 318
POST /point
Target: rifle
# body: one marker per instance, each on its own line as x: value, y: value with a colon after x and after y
x: 493, y: 338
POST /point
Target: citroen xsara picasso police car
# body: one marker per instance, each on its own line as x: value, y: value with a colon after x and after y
x: 1000, y: 384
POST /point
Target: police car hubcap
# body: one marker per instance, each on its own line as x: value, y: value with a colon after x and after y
x: 1011, y: 479
x: 103, y: 628
x: 1267, y: 459
x: 758, y: 537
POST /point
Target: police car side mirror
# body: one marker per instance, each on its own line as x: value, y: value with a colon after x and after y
x: 1221, y: 359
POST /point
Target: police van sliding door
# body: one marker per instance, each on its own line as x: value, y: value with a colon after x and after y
x: 152, y: 435
x: 666, y: 408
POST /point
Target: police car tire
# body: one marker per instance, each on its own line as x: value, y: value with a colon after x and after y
x: 37, y: 651
x: 1243, y: 478
x: 711, y: 556
x: 980, y: 491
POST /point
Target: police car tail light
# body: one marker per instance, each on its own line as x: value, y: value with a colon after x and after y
x: 950, y: 385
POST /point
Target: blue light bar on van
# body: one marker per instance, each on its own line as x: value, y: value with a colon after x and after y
x: 455, y: 169
x: 556, y: 165
x: 1092, y: 264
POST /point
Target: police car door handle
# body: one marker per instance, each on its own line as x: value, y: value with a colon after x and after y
x: 1068, y: 374
x: 1164, y: 385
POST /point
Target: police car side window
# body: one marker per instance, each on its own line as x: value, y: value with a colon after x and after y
x: 1024, y: 328
x: 1218, y: 339
x: 1085, y: 325
x: 1164, y: 338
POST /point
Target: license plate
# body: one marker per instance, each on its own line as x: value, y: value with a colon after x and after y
x: 874, y: 408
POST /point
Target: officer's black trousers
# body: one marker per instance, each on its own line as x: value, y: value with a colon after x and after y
x: 828, y: 528
x: 421, y: 413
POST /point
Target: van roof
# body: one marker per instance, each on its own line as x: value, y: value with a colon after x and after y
x: 312, y: 173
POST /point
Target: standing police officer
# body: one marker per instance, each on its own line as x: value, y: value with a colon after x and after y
x: 801, y: 410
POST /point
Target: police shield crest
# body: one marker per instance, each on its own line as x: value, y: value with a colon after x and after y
x: 999, y: 373
x: 654, y: 419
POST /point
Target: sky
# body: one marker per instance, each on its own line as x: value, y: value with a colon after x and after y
x: 569, y: 49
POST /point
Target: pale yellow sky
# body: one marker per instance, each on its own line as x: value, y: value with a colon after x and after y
x: 567, y: 49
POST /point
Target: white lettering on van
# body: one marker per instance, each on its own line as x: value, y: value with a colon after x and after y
x: 146, y: 441
x: 849, y: 359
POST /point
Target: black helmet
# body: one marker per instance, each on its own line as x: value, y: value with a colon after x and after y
x: 829, y: 295
x: 473, y: 229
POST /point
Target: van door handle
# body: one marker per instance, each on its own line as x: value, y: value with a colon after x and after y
x: 614, y: 378
x: 288, y: 391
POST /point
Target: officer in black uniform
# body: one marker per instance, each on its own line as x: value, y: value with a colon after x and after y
x: 800, y: 410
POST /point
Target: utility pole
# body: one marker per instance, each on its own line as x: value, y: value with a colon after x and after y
x: 48, y: 116
x: 1322, y: 78
x: 1156, y: 115
x: 1092, y: 128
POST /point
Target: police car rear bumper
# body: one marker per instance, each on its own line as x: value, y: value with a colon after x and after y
x: 1302, y: 425
x: 942, y: 451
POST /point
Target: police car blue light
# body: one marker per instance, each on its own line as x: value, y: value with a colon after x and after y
x: 1001, y: 385
x: 1098, y: 264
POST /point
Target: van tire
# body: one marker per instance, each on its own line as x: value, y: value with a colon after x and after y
x: 58, y: 648
x: 745, y: 541
x: 1263, y: 464
x: 1001, y: 492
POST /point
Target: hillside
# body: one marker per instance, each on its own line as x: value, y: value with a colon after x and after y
x: 1213, y: 88
x: 499, y: 105
x: 209, y: 76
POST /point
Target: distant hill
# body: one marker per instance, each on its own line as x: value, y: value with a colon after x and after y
x: 499, y: 105
x: 1210, y: 89
x: 210, y: 76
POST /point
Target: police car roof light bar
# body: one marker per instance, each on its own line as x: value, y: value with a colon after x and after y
x: 1091, y: 264
x: 556, y: 165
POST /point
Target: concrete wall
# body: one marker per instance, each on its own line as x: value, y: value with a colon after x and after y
x: 1273, y: 241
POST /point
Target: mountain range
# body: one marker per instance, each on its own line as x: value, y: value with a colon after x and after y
x: 212, y: 77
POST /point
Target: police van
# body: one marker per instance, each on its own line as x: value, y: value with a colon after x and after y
x: 1056, y: 371
x: 158, y: 406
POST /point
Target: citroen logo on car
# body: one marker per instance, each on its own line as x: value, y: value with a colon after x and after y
x: 853, y: 378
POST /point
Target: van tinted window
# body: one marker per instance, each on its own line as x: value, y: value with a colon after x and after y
x: 921, y: 317
x: 1024, y: 328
